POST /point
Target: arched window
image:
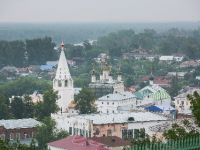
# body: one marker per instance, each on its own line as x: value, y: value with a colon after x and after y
x: 66, y: 82
x: 59, y: 83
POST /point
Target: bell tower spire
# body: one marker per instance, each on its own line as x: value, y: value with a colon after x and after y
x: 63, y: 82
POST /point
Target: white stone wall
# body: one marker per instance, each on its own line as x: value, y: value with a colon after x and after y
x: 111, y: 106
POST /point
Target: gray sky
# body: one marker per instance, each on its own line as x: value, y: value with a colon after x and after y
x: 99, y: 10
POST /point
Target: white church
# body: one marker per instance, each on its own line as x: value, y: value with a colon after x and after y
x: 63, y: 83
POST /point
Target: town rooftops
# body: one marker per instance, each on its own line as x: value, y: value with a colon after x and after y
x: 121, y: 117
x: 112, y: 141
x: 180, y: 74
x: 77, y: 142
x: 117, y: 96
x: 19, y: 123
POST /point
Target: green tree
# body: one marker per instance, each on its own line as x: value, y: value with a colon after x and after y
x: 44, y: 108
x: 47, y: 132
x: 28, y: 107
x: 85, y: 101
x: 4, y: 109
x: 174, y: 86
x: 177, y: 131
x: 17, y: 108
x: 129, y: 81
x: 195, y: 106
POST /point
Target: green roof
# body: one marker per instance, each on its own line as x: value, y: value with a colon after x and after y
x: 142, y: 93
x: 159, y: 95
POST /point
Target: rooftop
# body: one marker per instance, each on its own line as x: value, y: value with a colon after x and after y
x: 112, y: 141
x: 117, y: 96
x: 77, y: 142
x: 121, y: 117
x: 19, y: 123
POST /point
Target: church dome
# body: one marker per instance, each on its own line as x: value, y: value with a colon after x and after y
x: 151, y: 78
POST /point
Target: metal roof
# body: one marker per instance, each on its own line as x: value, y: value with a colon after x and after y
x: 159, y: 95
x: 117, y: 96
x: 19, y: 123
x: 121, y: 117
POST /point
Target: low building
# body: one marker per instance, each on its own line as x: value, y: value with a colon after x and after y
x: 10, y: 71
x: 110, y: 102
x: 167, y: 59
x: 188, y: 64
x: 76, y: 142
x: 179, y: 74
x: 23, y: 129
x: 181, y: 100
x: 123, y: 125
x: 113, y: 142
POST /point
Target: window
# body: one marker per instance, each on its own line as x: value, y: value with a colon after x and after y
x: 11, y: 136
x: 72, y: 111
x: 3, y: 136
x: 25, y: 135
x: 130, y: 134
x: 113, y: 111
x: 182, y: 103
x: 113, y: 103
x: 31, y: 134
x: 18, y: 136
x: 102, y: 102
x: 107, y: 103
x: 107, y: 111
x: 177, y: 101
x: 66, y: 82
x: 187, y: 103
x: 124, y: 134
x: 136, y: 133
x: 59, y: 83
x: 109, y: 132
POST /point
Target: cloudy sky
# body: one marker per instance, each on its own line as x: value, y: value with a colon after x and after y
x: 99, y: 10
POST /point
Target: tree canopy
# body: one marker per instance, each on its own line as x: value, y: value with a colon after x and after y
x: 85, y: 101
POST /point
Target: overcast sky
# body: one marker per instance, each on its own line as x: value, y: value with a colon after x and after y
x: 99, y: 10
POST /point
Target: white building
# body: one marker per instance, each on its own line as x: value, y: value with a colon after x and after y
x: 63, y: 83
x: 181, y: 100
x: 110, y: 102
x: 113, y: 124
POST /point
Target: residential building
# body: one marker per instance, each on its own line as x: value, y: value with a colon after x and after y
x: 188, y: 64
x: 167, y: 59
x: 181, y: 100
x: 76, y: 142
x: 23, y: 129
x: 110, y: 102
x: 179, y: 74
x: 10, y: 71
x: 112, y: 142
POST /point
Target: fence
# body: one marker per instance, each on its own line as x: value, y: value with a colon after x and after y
x: 190, y: 143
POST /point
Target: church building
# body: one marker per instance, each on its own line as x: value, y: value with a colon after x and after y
x: 63, y: 83
x: 106, y: 84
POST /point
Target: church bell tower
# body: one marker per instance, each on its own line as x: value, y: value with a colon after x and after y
x: 63, y: 82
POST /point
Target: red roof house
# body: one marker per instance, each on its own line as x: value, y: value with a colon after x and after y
x: 112, y: 141
x: 76, y: 142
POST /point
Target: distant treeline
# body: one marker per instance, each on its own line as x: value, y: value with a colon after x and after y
x: 73, y: 33
x: 38, y: 51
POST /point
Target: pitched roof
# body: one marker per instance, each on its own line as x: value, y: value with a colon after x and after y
x: 159, y: 95
x: 167, y: 58
x: 112, y: 141
x: 71, y: 105
x: 46, y: 67
x: 77, y: 142
x: 116, y: 96
x: 189, y: 63
x: 142, y: 93
x: 19, y: 123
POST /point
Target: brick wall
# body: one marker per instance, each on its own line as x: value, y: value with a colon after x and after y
x: 24, y: 133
